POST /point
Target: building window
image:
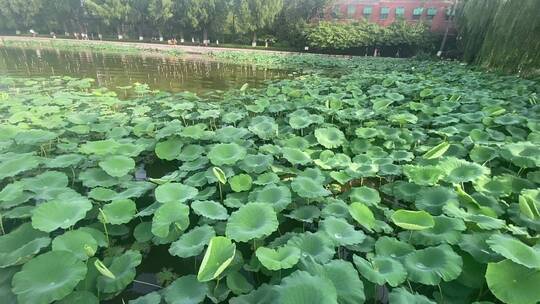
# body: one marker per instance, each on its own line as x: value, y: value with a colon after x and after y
x: 431, y: 12
x: 368, y: 10
x: 351, y: 10
x: 449, y: 14
x: 400, y: 12
x: 384, y: 13
x: 417, y: 13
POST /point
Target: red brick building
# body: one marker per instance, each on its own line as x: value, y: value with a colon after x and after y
x: 384, y: 12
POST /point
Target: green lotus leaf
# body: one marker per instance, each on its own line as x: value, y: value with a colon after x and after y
x: 278, y: 196
x: 60, y: 213
x: 308, y: 188
x: 315, y: 245
x: 21, y: 244
x: 170, y: 214
x: 446, y: 230
x: 381, y: 270
x: 296, y: 156
x: 515, y: 250
x: 522, y: 154
x: 170, y: 149
x: 423, y: 175
x: 175, y: 193
x: 197, y: 131
x: 264, y: 127
x: 33, y: 137
x: 305, y: 214
x: 18, y: 163
x: 391, y: 247
x: 362, y: 215
x: 238, y: 284
x: 151, y: 298
x: 266, y: 179
x: 100, y: 147
x: 226, y: 154
x: 433, y: 199
x: 341, y: 232
x: 192, y: 242
x: 428, y: 266
x: 219, y: 255
x: 186, y: 290
x: 119, y: 212
x: 459, y: 171
x: 336, y: 208
x: 482, y: 154
x: 330, y: 137
x: 402, y: 296
x: 251, y: 221
x: 81, y: 244
x: 230, y: 134
x: 366, y: 132
x: 281, y: 258
x: 80, y: 297
x: 95, y: 177
x: 265, y: 294
x: 241, y: 182
x: 102, y: 194
x: 123, y: 269
x: 256, y: 163
x: 412, y: 220
x: 365, y: 195
x: 303, y: 288
x: 117, y: 166
x: 48, y: 277
x: 64, y: 161
x: 210, y: 209
x: 513, y: 283
x: 437, y: 151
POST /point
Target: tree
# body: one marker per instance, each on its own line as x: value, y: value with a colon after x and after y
x: 20, y: 13
x: 113, y: 13
x: 294, y: 18
x: 254, y: 15
x: 159, y: 13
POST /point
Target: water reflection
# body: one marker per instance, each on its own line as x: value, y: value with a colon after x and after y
x: 112, y: 70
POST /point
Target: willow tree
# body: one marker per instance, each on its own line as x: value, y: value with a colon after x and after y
x: 159, y: 14
x: 254, y: 15
x: 501, y: 34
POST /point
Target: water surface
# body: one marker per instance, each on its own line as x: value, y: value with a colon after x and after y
x: 161, y: 72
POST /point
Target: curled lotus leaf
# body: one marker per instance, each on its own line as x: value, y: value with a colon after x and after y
x: 175, y: 193
x: 431, y: 265
x: 251, y: 221
x: 280, y: 258
x: 513, y: 283
x: 412, y: 220
x: 362, y: 215
x: 446, y: 230
x: 48, y: 277
x: 226, y: 154
x: 218, y: 256
x: 330, y: 137
x: 117, y: 165
x: 192, y: 242
x: 21, y: 244
x: 123, y: 269
x: 186, y: 290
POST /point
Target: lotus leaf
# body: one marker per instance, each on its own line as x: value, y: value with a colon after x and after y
x: 381, y: 270
x: 362, y: 215
x: 60, y: 213
x: 316, y: 245
x: 251, y: 221
x: 175, y: 193
x: 330, y: 137
x: 263, y: 126
x: 100, y: 147
x: 219, y: 255
x: 151, y: 298
x: 308, y: 188
x: 513, y: 283
x: 391, y: 247
x: 278, y: 196
x: 413, y: 220
x: 226, y: 154
x: 170, y: 149
x: 123, y: 269
x: 341, y: 232
x: 280, y: 258
x: 303, y: 288
x: 119, y: 212
x: 81, y: 244
x: 170, y: 214
x: 258, y: 163
x: 428, y: 266
x: 210, y: 209
x: 21, y: 244
x: 192, y: 242
x: 238, y: 284
x: 48, y: 277
x: 515, y: 250
x: 402, y: 296
x: 296, y: 156
x: 522, y: 154
x: 460, y: 171
x: 446, y: 230
x: 305, y: 214
x: 186, y: 290
x: 241, y: 182
x: 118, y: 165
x: 18, y: 163
x: 423, y: 175
x: 365, y: 195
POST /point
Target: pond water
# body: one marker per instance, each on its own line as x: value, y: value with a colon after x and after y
x: 161, y: 72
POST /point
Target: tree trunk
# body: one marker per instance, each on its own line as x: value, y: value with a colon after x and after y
x: 205, y: 36
x: 181, y: 36
x: 254, y: 41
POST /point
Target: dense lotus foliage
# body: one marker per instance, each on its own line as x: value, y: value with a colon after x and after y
x: 407, y: 183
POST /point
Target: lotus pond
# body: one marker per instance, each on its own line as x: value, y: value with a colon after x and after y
x: 397, y: 182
